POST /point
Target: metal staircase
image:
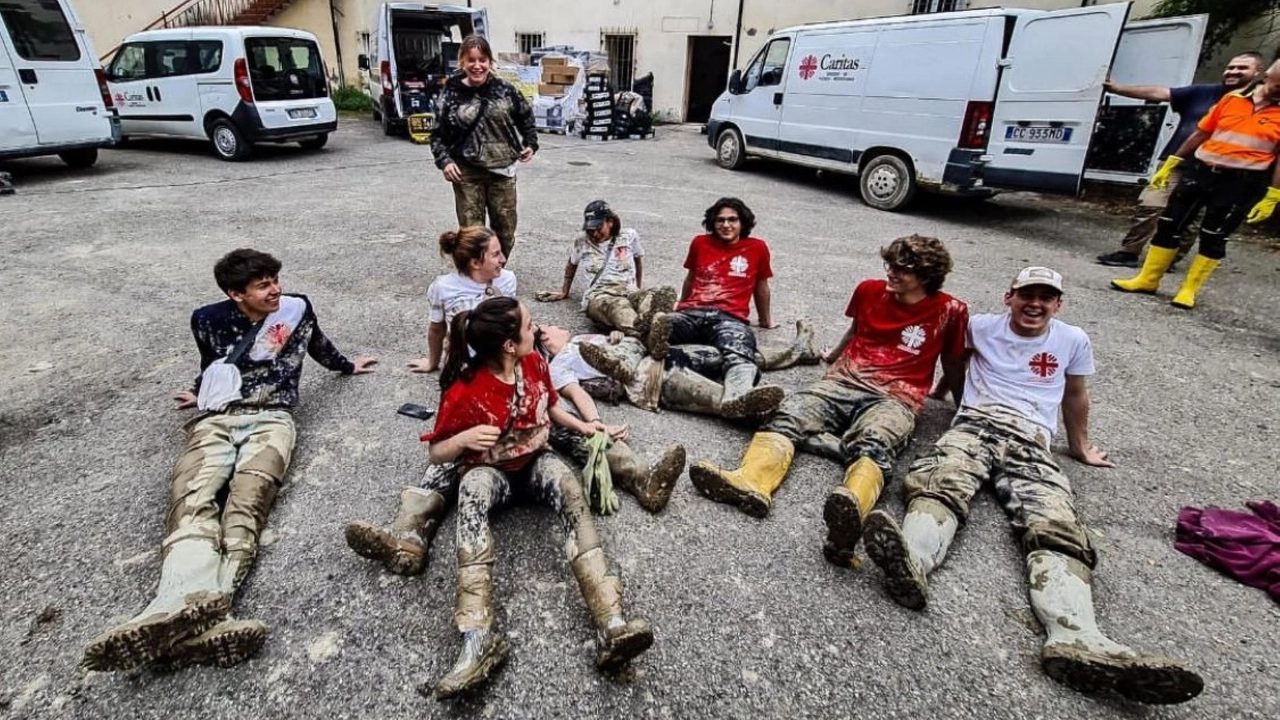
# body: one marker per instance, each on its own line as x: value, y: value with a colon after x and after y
x: 190, y: 13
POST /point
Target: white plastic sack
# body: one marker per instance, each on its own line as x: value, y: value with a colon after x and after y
x: 219, y: 386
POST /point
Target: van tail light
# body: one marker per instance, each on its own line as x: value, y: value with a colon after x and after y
x: 977, y: 125
x: 385, y: 70
x: 243, y: 86
x: 104, y: 88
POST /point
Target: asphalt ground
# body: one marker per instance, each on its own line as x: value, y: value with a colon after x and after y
x: 102, y: 269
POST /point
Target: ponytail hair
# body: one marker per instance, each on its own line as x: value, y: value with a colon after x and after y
x: 465, y: 245
x: 477, y: 336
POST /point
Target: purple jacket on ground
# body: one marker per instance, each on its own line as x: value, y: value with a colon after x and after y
x: 1239, y: 544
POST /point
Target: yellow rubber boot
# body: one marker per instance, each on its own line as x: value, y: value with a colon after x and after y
x: 751, y: 486
x: 1200, y: 270
x: 1148, y: 278
x: 847, y: 506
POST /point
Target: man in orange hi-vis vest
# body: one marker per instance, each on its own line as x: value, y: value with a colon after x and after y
x: 1229, y: 161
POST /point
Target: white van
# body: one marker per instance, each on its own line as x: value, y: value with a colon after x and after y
x: 413, y: 48
x: 965, y: 102
x: 234, y: 86
x: 53, y: 95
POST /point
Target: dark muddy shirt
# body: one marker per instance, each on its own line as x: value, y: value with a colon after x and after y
x: 502, y: 120
x: 271, y: 382
x: 1191, y: 102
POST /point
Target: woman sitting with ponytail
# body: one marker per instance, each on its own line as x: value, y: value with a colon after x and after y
x: 481, y: 274
x: 495, y: 419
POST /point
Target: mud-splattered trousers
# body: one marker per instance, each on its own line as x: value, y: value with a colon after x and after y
x: 482, y: 193
x: 546, y: 480
x: 614, y: 307
x: 982, y: 445
x: 869, y: 424
x: 728, y: 334
x: 1151, y: 205
x: 1226, y: 197
x: 227, y: 479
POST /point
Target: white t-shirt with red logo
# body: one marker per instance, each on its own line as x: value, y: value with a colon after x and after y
x: 1027, y: 375
x: 725, y: 276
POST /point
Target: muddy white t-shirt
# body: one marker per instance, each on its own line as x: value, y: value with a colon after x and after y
x: 568, y: 366
x: 454, y: 292
x: 619, y: 268
x: 1027, y: 375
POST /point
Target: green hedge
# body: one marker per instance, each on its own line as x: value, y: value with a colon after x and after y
x: 351, y: 99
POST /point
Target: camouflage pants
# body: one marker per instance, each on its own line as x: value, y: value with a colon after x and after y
x: 547, y: 480
x: 482, y: 192
x: 226, y: 480
x: 613, y: 310
x: 730, y: 335
x: 868, y: 424
x: 1028, y: 482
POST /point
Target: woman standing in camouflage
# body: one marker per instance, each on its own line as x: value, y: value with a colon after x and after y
x: 485, y: 128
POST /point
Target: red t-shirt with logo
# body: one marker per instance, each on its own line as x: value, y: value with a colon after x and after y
x: 725, y: 276
x: 895, y: 346
x: 521, y: 411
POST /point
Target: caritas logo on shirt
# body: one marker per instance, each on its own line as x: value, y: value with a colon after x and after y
x: 913, y: 337
x: 738, y: 266
x: 1043, y: 365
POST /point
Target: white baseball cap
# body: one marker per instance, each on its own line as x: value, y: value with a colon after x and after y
x: 1038, y: 276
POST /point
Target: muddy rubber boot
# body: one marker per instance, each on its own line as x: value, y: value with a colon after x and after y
x: 743, y: 400
x: 750, y: 486
x: 649, y: 303
x: 651, y: 486
x: 906, y: 555
x: 483, y: 648
x: 1200, y: 270
x: 1078, y: 655
x: 1153, y: 269
x: 659, y: 340
x: 618, y: 640
x: 188, y: 601
x: 801, y: 351
x: 619, y: 361
x: 686, y: 390
x: 402, y: 547
x: 226, y: 644
x: 847, y: 507
x: 646, y: 390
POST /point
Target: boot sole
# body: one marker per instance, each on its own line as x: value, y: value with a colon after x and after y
x: 224, y: 646
x: 1182, y: 306
x: 374, y: 543
x: 599, y: 359
x: 1151, y: 680
x: 707, y: 479
x: 757, y: 404
x: 660, y: 302
x: 888, y: 550
x: 144, y: 642
x: 662, y: 480
x: 843, y: 517
x: 1135, y: 292
x: 624, y: 649
x: 660, y: 339
x: 488, y: 664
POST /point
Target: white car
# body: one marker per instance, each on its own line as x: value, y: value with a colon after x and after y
x: 234, y: 86
x: 53, y: 94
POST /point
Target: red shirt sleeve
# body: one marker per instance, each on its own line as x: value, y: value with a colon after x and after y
x: 691, y: 259
x: 454, y: 415
x: 851, y: 311
x: 766, y: 266
x: 956, y: 344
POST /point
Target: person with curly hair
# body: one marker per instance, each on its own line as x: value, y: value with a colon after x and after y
x: 880, y: 374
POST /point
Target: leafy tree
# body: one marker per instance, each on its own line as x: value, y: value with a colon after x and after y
x: 1226, y: 17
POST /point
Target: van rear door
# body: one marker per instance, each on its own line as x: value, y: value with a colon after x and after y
x: 17, y: 129
x: 1047, y: 100
x: 56, y: 73
x: 1132, y: 133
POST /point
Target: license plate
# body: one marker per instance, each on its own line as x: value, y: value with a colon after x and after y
x: 423, y: 123
x: 1037, y: 133
x: 302, y: 114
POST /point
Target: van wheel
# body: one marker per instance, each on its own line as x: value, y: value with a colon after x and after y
x: 388, y: 127
x: 80, y: 159
x: 730, y: 153
x: 314, y: 143
x: 228, y: 141
x: 887, y: 182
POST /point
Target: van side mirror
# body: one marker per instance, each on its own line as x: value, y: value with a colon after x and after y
x: 735, y: 83
x: 363, y: 62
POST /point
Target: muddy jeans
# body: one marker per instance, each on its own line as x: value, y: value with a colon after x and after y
x: 239, y: 457
x: 728, y: 334
x: 483, y: 191
x: 1226, y: 197
x: 869, y: 425
x: 1151, y: 203
x: 1028, y: 482
x: 546, y: 480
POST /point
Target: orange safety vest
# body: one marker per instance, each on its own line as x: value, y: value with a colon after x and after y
x: 1240, y: 136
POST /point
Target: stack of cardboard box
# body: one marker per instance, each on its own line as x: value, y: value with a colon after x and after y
x: 557, y: 76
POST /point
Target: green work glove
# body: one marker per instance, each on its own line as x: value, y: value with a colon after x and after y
x: 1265, y: 207
x: 597, y: 481
x: 1161, y: 178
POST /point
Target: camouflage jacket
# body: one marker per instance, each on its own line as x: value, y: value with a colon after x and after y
x: 273, y: 382
x: 505, y: 129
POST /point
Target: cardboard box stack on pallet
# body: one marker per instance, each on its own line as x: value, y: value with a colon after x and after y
x: 557, y: 76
